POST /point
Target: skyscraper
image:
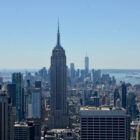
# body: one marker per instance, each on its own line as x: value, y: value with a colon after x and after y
x: 59, y: 114
x: 124, y: 92
x: 3, y: 116
x: 18, y: 81
x: 36, y: 103
x: 72, y: 71
x: 86, y: 64
x: 12, y: 93
x: 7, y: 116
x: 11, y: 120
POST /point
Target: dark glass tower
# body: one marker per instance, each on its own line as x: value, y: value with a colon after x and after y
x: 59, y: 115
x: 17, y: 79
x: 124, y: 92
x: 3, y: 116
x: 12, y: 93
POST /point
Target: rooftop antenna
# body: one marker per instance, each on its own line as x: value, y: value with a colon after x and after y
x: 58, y: 35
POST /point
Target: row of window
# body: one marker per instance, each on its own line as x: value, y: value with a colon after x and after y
x: 103, y: 118
x: 92, y: 129
x: 105, y: 131
x: 115, y: 137
x: 99, y: 126
x: 114, y: 123
x: 102, y: 139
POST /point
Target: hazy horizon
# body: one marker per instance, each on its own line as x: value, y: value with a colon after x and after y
x: 37, y: 69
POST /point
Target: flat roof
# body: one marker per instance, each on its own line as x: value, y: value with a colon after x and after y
x: 102, y: 111
x: 100, y: 108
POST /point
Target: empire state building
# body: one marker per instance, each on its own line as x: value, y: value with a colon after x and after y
x: 59, y: 113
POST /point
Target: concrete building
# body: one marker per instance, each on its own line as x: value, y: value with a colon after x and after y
x: 138, y: 132
x: 103, y: 123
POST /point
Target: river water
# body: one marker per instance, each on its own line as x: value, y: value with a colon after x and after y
x: 129, y: 76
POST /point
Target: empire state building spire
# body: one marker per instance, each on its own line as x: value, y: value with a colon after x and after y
x: 58, y: 36
x: 58, y: 44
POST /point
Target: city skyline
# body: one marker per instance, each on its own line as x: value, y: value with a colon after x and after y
x: 69, y: 70
x: 107, y: 30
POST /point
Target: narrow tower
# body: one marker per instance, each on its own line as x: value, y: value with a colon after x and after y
x: 124, y: 92
x: 59, y: 115
x: 86, y: 65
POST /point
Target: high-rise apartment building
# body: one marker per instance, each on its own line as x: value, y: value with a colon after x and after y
x: 103, y: 124
x: 59, y: 113
x: 17, y: 79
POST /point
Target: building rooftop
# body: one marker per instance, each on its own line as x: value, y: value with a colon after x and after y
x: 100, y: 108
x: 21, y: 124
x: 102, y: 111
x: 60, y: 130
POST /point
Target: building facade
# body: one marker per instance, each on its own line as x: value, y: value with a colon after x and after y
x: 103, y: 124
x: 36, y: 103
x: 11, y: 89
x: 17, y: 79
x: 138, y: 132
x: 22, y: 131
x: 3, y: 116
x: 124, y: 92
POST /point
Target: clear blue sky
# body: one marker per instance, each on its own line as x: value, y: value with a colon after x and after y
x: 108, y: 29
